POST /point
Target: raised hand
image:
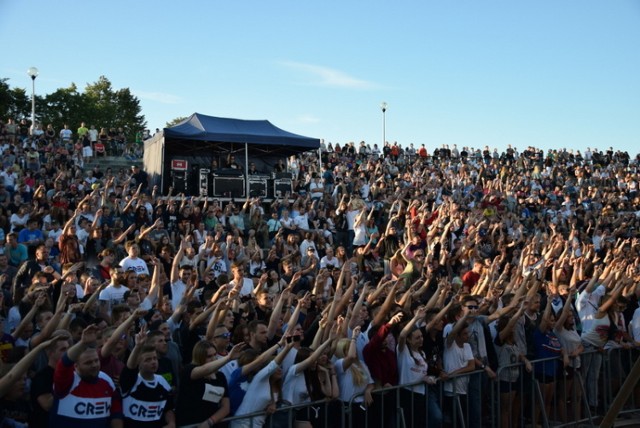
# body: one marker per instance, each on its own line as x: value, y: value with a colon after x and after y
x: 90, y: 335
x: 141, y: 338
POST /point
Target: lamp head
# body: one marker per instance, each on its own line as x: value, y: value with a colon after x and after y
x: 32, y: 72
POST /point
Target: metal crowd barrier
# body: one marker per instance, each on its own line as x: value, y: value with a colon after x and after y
x: 550, y: 396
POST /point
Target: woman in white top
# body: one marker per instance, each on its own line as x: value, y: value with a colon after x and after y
x: 262, y: 392
x: 360, y: 228
x: 353, y: 379
x: 412, y: 368
x: 565, y: 329
x: 302, y: 385
x: 19, y: 220
x: 509, y: 356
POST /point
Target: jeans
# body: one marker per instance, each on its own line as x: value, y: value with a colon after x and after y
x: 434, y: 412
x: 591, y: 364
x: 475, y: 399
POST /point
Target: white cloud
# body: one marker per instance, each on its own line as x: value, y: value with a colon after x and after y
x: 159, y: 97
x: 325, y: 76
x: 308, y: 118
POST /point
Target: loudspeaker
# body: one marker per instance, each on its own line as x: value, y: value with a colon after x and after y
x: 179, y: 181
x: 257, y: 187
x: 229, y: 187
x: 205, y: 182
x: 282, y: 186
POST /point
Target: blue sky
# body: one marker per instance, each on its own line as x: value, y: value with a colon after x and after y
x: 549, y: 73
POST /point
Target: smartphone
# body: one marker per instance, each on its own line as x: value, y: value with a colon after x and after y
x: 289, y: 339
x: 296, y: 338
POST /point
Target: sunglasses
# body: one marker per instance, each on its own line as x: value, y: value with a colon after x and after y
x: 224, y: 335
x: 473, y: 307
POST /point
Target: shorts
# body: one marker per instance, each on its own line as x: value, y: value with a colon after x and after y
x: 507, y: 387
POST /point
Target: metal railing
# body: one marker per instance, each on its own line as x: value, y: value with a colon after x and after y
x: 551, y: 395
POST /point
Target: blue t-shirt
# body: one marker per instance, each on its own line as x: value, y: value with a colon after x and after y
x: 238, y: 385
x: 547, y: 345
x: 26, y: 235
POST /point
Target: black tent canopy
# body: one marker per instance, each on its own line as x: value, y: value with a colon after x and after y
x: 200, y: 139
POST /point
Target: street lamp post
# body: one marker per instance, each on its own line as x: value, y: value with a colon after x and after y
x: 383, y: 106
x: 33, y: 73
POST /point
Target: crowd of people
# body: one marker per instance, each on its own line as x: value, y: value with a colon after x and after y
x: 447, y: 271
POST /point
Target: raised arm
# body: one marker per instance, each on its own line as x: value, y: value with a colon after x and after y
x: 175, y: 266
x: 402, y: 337
x: 262, y: 359
x: 386, y: 306
x: 211, y: 367
x: 109, y: 346
x: 508, y: 329
x: 457, y: 328
x: 313, y: 357
x: 352, y: 355
x: 22, y: 366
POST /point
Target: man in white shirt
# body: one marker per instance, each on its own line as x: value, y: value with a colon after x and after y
x: 329, y: 260
x: 244, y: 285
x: 302, y: 220
x: 114, y: 293
x: 316, y: 188
x: 66, y: 134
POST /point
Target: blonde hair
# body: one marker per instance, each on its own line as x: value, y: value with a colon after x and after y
x: 357, y: 370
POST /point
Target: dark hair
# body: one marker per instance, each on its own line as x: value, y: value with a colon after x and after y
x: 253, y: 325
x: 310, y: 376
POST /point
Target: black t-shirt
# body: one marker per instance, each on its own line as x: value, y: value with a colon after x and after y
x: 200, y: 398
x: 433, y: 349
x: 42, y: 383
x: 139, y: 396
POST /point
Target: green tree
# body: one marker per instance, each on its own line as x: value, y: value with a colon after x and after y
x: 129, y: 114
x: 175, y: 121
x: 5, y: 97
x: 100, y: 105
x: 113, y: 109
x: 65, y: 105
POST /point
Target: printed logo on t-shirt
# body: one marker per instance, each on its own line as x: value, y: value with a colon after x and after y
x: 138, y: 410
x: 85, y: 408
x: 212, y: 393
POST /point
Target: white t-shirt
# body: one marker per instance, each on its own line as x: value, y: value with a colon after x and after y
x: 454, y: 358
x: 256, y: 398
x: 587, y: 305
x: 634, y: 325
x: 113, y: 295
x: 178, y: 289
x: 316, y: 189
x: 302, y: 221
x: 247, y: 286
x: 137, y: 265
x: 294, y: 389
x: 334, y: 261
x: 412, y: 368
x: 345, y: 381
x: 289, y: 360
x: 218, y: 267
